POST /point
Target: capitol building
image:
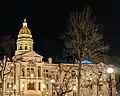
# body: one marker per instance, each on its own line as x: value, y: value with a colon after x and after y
x: 31, y: 76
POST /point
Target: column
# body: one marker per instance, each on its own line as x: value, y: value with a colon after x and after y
x: 36, y: 86
x: 25, y: 71
x: 25, y: 87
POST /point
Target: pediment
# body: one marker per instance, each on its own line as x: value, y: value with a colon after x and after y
x: 32, y: 54
x: 29, y: 56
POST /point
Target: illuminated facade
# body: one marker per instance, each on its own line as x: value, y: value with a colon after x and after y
x: 28, y: 77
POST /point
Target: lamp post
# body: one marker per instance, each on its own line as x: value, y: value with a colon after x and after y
x: 52, y: 81
x: 74, y: 90
x: 110, y: 71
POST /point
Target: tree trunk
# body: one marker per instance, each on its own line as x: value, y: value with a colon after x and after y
x: 2, y: 87
x: 79, y: 79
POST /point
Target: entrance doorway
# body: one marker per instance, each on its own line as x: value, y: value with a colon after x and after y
x: 30, y: 86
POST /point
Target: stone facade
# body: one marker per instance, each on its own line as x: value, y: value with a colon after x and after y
x: 30, y: 74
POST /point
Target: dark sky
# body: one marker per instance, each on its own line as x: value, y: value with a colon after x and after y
x: 47, y: 19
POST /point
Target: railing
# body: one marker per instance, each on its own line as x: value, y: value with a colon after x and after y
x: 31, y: 77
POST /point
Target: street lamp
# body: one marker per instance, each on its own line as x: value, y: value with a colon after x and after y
x: 110, y: 71
x: 52, y: 81
x: 74, y: 90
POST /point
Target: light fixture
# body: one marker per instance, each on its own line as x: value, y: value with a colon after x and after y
x: 32, y: 75
x: 52, y: 81
x: 74, y: 88
x: 10, y: 86
x: 110, y: 70
x: 44, y: 86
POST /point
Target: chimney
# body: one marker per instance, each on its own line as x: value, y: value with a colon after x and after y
x: 50, y: 60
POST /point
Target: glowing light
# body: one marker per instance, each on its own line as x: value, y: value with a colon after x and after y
x: 32, y: 75
x: 22, y: 85
x: 74, y: 88
x: 12, y: 64
x: 10, y: 86
x: 52, y: 81
x: 110, y: 70
x: 86, y: 62
x: 44, y: 86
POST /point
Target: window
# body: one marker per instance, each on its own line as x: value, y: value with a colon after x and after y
x: 25, y: 47
x: 7, y: 85
x: 30, y: 86
x: 39, y: 71
x: 39, y: 86
x: 28, y: 72
x: 20, y: 47
x: 46, y: 70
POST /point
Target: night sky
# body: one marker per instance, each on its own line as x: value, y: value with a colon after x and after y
x: 47, y: 19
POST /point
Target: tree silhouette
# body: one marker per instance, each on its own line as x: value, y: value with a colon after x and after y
x: 84, y: 39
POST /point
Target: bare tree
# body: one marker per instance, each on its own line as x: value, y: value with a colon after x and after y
x: 84, y: 39
x: 64, y: 79
x: 5, y: 69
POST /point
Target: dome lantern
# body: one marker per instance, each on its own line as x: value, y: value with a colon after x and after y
x: 24, y: 23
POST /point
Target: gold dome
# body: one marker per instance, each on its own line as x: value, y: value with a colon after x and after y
x: 25, y: 29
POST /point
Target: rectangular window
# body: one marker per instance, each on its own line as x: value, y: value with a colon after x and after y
x: 28, y: 72
x: 7, y: 85
x: 39, y: 71
x: 25, y: 47
x: 39, y: 86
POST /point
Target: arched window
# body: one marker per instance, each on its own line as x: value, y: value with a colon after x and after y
x: 20, y: 46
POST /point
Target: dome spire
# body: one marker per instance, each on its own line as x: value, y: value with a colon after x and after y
x: 25, y: 23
